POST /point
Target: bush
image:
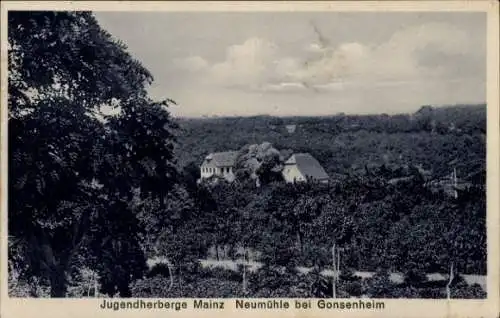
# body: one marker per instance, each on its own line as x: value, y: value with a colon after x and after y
x: 348, y: 275
x: 20, y: 286
x: 351, y: 288
x: 414, y: 275
x: 159, y: 287
x: 380, y: 285
x: 275, y: 282
x: 433, y: 292
x: 468, y: 292
x: 221, y: 273
x: 403, y: 291
x: 159, y: 269
x: 321, y: 287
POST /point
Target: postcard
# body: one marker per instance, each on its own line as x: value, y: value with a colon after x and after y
x: 258, y: 159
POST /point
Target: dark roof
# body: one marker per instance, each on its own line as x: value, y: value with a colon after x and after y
x: 222, y: 159
x: 308, y: 166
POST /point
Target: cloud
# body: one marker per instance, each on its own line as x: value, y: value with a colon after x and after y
x: 420, y: 53
x: 333, y: 65
x: 246, y: 64
x: 254, y: 64
x: 315, y: 47
x: 361, y: 63
x: 398, y: 57
x: 402, y: 57
x: 192, y: 64
x: 284, y: 87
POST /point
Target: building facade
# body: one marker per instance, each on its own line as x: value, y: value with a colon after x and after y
x: 302, y: 167
x: 219, y: 164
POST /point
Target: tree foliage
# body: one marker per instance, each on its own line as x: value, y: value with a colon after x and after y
x: 73, y: 169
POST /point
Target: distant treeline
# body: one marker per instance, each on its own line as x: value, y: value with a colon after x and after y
x: 436, y: 138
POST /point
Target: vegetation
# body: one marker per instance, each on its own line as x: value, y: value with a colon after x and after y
x: 73, y: 172
x: 431, y: 137
x: 93, y: 197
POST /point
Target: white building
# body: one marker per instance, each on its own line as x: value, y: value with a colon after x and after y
x: 302, y: 167
x: 291, y: 128
x: 219, y: 164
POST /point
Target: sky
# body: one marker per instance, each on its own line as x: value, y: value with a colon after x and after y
x: 306, y: 63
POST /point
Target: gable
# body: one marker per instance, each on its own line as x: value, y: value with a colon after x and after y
x: 291, y: 173
x: 221, y: 159
x: 308, y: 166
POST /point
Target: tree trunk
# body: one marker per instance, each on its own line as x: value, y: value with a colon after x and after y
x: 448, y: 289
x: 58, y: 285
x: 95, y: 286
x: 171, y: 273
x: 299, y: 240
x: 56, y: 267
x: 244, y: 279
x: 338, y: 264
x: 334, y: 278
x: 244, y: 271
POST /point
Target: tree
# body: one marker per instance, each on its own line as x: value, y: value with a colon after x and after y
x: 247, y: 231
x: 74, y: 170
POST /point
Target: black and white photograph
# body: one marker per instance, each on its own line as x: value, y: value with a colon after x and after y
x: 214, y: 154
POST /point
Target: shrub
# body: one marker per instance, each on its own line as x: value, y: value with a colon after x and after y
x: 380, y: 285
x: 465, y: 291
x: 159, y: 287
x: 159, y: 269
